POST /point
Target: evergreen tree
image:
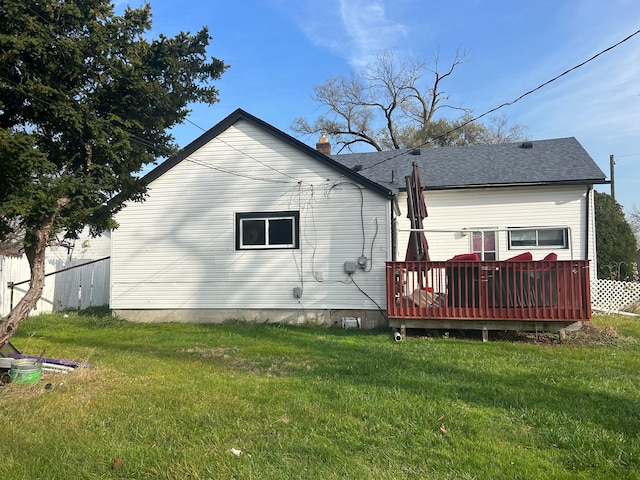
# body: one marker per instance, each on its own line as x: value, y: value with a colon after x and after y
x: 615, y: 242
x: 86, y: 99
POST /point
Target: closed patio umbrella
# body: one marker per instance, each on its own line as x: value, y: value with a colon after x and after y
x: 418, y: 248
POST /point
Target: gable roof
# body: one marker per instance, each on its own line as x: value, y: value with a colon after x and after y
x: 240, y: 114
x: 561, y: 161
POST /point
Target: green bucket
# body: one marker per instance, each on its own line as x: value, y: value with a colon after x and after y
x: 25, y: 371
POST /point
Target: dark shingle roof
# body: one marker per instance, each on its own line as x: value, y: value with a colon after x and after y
x: 561, y: 161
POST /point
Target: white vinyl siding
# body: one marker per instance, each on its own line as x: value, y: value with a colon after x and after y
x: 453, y: 214
x: 178, y: 248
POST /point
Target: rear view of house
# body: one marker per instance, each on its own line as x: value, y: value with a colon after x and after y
x: 248, y: 223
x: 510, y: 231
x: 496, y: 200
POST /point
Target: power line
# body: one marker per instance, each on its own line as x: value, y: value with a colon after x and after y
x: 245, y: 154
x: 505, y: 104
x: 15, y: 86
x: 194, y: 124
x: 231, y: 172
x: 256, y: 160
x: 147, y: 144
x: 558, y: 76
x: 162, y: 150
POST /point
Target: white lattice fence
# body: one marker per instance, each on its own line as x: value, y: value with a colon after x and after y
x: 611, y: 295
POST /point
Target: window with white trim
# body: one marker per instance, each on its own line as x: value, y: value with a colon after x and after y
x: 522, y: 238
x: 483, y: 243
x: 267, y: 230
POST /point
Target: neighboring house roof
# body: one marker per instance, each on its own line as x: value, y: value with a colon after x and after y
x: 561, y: 161
x: 240, y: 114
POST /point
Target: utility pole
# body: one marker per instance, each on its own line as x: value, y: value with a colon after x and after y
x: 612, y: 162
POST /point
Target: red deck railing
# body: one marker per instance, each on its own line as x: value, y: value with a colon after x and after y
x: 470, y: 290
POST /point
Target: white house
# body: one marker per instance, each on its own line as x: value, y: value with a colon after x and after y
x: 249, y: 223
x: 496, y: 200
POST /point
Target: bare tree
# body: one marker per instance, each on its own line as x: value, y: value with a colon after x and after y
x: 499, y: 130
x: 384, y: 105
x: 393, y: 104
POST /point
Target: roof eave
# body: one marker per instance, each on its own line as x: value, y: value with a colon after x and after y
x: 596, y: 181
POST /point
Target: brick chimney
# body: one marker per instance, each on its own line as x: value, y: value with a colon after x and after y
x: 323, y: 145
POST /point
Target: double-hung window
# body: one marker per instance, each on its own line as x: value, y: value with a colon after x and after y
x: 267, y: 230
x: 484, y: 244
x: 538, y: 237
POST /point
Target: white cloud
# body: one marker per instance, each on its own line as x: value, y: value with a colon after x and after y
x: 355, y: 30
x: 370, y: 29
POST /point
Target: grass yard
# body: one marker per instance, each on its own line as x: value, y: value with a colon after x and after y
x: 237, y: 401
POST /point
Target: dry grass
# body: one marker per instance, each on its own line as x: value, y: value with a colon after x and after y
x: 633, y: 309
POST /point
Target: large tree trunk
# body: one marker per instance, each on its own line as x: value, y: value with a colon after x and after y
x: 35, y: 253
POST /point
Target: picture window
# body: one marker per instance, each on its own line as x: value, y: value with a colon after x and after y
x: 538, y: 238
x: 267, y: 230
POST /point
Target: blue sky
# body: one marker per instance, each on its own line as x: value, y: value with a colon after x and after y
x: 278, y: 50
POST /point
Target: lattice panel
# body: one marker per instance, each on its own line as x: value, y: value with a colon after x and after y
x: 611, y: 295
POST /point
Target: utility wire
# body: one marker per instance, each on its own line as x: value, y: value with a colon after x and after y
x: 245, y: 153
x: 194, y: 124
x: 15, y: 86
x: 512, y: 101
x: 231, y: 172
x: 159, y: 149
x: 165, y: 151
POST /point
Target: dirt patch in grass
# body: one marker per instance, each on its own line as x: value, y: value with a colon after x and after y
x: 596, y: 335
x: 589, y: 334
x: 633, y: 309
x: 276, y: 366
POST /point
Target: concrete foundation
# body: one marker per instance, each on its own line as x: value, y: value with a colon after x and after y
x: 369, y: 319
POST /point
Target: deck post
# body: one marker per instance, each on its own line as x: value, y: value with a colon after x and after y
x: 485, y: 334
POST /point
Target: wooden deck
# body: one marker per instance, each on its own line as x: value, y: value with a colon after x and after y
x: 537, y: 295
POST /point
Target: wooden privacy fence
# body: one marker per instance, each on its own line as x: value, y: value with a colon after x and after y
x: 69, y: 284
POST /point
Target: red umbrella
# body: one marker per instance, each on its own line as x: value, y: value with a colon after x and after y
x: 418, y: 248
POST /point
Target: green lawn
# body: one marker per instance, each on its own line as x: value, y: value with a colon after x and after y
x: 172, y: 401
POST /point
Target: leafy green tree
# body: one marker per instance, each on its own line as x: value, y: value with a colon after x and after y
x: 615, y: 242
x: 463, y: 131
x: 394, y: 104
x: 86, y: 99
